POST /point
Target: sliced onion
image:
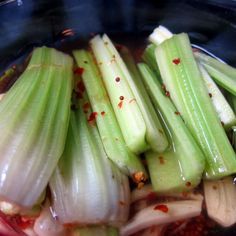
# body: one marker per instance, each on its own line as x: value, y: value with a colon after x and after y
x: 177, y: 210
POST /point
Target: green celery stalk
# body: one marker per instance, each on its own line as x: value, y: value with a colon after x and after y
x: 222, y: 73
x: 155, y: 135
x: 181, y: 167
x: 87, y: 188
x: 108, y: 126
x: 95, y: 230
x: 182, y: 78
x: 221, y: 105
x: 150, y: 58
x: 127, y: 112
x: 34, y: 116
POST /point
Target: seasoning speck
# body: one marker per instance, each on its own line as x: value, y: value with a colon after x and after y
x: 162, y: 208
x: 176, y: 61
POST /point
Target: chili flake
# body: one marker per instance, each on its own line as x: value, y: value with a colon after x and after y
x: 117, y: 79
x: 120, y: 104
x: 92, y: 116
x: 176, y: 61
x: 188, y: 184
x: 162, y: 208
x: 78, y: 71
x: 121, y: 97
x: 80, y: 86
x: 103, y: 113
x: 177, y: 113
x: 161, y: 160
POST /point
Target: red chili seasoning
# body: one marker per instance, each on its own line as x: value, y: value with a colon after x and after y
x: 80, y: 86
x: 167, y: 93
x: 161, y: 160
x: 92, y: 116
x: 121, y: 97
x: 176, y: 61
x: 79, y: 95
x: 188, y: 184
x: 139, y: 177
x: 117, y: 79
x: 177, y: 113
x: 78, y: 71
x: 162, y: 208
x: 103, y: 113
x: 210, y: 95
x: 86, y: 106
x: 120, y: 104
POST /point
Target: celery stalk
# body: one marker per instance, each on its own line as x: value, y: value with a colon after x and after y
x: 87, y: 188
x: 223, y: 74
x: 127, y: 112
x: 108, y: 126
x: 182, y: 78
x: 221, y: 105
x: 34, y: 116
x: 155, y: 135
x: 181, y: 167
x: 95, y: 230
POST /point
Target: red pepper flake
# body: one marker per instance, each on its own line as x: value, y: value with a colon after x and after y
x: 167, y: 93
x: 210, y: 95
x: 117, y: 79
x: 139, y: 177
x: 162, y: 208
x: 121, y: 98
x: 214, y: 187
x: 86, y: 106
x: 120, y: 104
x: 177, y: 113
x: 92, y: 116
x: 176, y: 61
x: 103, y: 113
x: 161, y: 160
x: 122, y: 203
x: 80, y: 86
x: 132, y: 100
x: 78, y: 71
x: 188, y: 184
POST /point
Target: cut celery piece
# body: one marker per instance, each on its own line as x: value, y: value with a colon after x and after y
x: 223, y: 74
x: 34, y: 116
x: 108, y: 126
x: 127, y: 113
x: 150, y: 58
x: 183, y: 165
x: 87, y: 188
x: 95, y: 230
x: 222, y: 107
x: 182, y: 78
x: 155, y: 135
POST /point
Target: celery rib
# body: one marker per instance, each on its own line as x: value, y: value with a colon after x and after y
x: 34, y: 125
x: 182, y: 78
x: 127, y: 112
x: 181, y: 167
x: 108, y: 126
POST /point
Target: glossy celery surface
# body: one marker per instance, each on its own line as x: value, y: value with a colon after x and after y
x: 181, y: 167
x: 109, y: 130
x: 127, y: 112
x: 155, y: 134
x: 34, y: 116
x: 187, y: 90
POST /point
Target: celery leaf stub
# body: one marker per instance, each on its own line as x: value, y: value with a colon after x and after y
x: 34, y: 117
